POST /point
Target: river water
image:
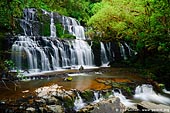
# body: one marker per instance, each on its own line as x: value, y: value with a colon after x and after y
x: 81, y: 81
x: 93, y: 79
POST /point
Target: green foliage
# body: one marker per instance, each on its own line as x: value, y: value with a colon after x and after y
x: 63, y: 34
x: 9, y: 64
x: 87, y: 95
x: 5, y: 67
x: 46, y: 29
x: 20, y: 75
x: 68, y: 36
x: 78, y: 9
x: 116, y: 19
x: 60, y: 29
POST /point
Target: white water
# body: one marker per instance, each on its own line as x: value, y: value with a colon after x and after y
x: 78, y: 104
x: 97, y: 97
x: 166, y: 91
x: 37, y: 54
x: 27, y: 49
x: 73, y: 27
x: 52, y: 27
x: 104, y: 59
x: 145, y: 92
x: 123, y: 100
x: 122, y: 51
x: 79, y: 74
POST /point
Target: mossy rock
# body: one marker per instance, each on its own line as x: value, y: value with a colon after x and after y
x: 87, y: 95
x: 68, y: 36
x: 68, y: 102
x: 68, y: 79
x: 106, y: 93
x: 127, y: 89
x: 46, y: 29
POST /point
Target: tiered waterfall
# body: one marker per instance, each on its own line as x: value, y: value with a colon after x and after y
x: 36, y: 52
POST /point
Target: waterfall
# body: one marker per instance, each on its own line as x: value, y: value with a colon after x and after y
x: 52, y: 27
x: 145, y: 92
x: 104, y: 59
x: 26, y: 51
x: 111, y: 53
x: 35, y: 53
x: 29, y: 21
x: 73, y: 27
x: 97, y: 97
x: 83, y: 53
x: 78, y: 104
x: 53, y: 55
x: 122, y: 51
x: 126, y: 102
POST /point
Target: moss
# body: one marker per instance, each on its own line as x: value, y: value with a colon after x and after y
x: 87, y: 95
x: 106, y: 93
x: 59, y: 29
x: 68, y: 36
x: 68, y: 102
x: 46, y: 29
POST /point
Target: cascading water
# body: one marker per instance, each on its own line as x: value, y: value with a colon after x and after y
x: 78, y: 104
x: 27, y: 52
x: 122, y: 51
x: 145, y: 92
x: 39, y: 53
x: 104, y: 58
x: 126, y: 102
x: 97, y: 97
x: 52, y: 27
x: 73, y: 27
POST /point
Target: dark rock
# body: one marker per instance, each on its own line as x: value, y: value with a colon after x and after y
x: 87, y: 95
x: 52, y: 101
x: 111, y: 105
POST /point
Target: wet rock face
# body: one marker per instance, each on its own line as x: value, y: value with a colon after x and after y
x: 111, y: 105
x: 35, y: 22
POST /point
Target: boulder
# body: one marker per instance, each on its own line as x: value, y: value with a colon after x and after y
x: 111, y: 105
x: 30, y: 110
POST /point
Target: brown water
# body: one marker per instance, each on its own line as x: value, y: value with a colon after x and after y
x: 81, y: 82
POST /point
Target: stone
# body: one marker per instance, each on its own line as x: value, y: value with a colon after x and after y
x: 87, y: 95
x: 52, y: 101
x: 42, y: 101
x: 56, y: 108
x: 111, y: 105
x: 30, y: 109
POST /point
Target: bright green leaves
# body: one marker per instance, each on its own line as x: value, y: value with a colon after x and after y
x: 116, y: 18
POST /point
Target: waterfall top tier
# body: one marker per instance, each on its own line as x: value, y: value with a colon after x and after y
x: 73, y: 27
x: 43, y: 23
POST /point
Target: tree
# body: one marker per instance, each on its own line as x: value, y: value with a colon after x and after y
x: 116, y: 19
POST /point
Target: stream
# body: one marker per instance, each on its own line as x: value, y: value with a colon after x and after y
x: 96, y: 79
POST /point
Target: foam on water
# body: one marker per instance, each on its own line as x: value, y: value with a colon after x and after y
x: 145, y: 92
